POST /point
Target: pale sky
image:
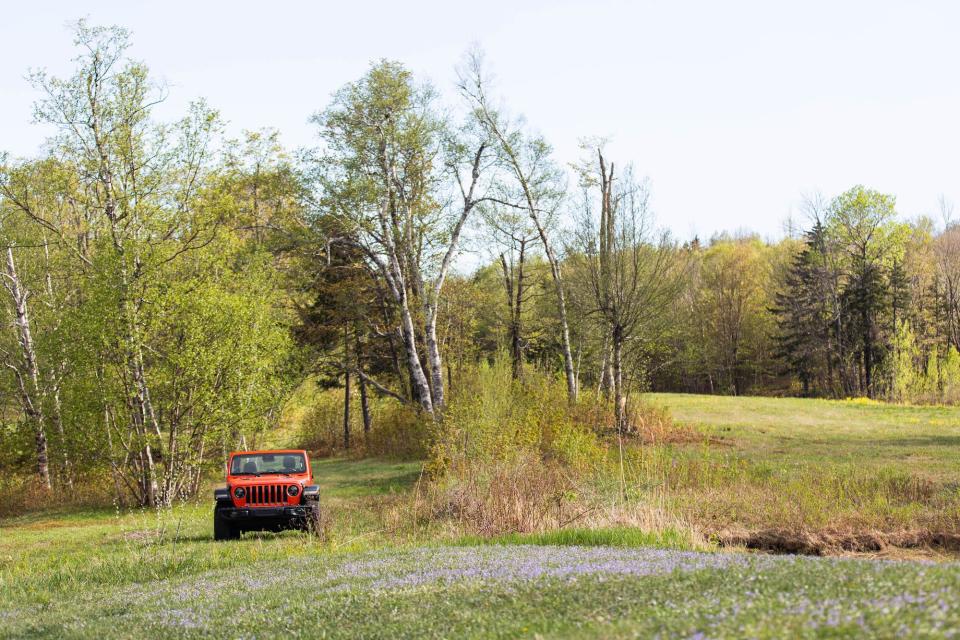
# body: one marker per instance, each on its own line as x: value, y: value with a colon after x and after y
x: 733, y: 109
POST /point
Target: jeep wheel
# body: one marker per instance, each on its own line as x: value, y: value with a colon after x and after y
x: 222, y: 528
x: 316, y: 522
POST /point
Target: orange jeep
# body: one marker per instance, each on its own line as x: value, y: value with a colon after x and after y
x: 267, y: 491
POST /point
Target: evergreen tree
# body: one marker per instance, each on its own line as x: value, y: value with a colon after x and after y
x: 800, y: 311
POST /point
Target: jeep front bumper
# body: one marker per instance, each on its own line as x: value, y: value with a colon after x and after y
x: 252, y: 513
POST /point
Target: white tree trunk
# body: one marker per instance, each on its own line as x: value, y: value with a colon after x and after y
x: 568, y: 366
x: 619, y: 398
x: 31, y: 394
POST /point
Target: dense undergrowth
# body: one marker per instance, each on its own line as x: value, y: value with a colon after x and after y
x: 515, y: 457
x: 398, y: 431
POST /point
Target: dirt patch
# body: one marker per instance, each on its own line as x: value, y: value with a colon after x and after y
x: 831, y: 543
x: 143, y: 535
x: 720, y: 442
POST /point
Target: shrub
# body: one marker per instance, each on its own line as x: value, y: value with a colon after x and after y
x: 516, y: 457
x: 494, y: 419
x: 322, y: 428
x: 23, y: 493
x: 397, y: 431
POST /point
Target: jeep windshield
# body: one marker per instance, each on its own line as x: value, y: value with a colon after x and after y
x: 267, y: 463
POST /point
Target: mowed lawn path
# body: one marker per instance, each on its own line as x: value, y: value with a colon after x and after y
x: 925, y: 440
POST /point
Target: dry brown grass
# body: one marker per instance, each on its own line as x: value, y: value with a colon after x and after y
x: 646, y: 423
x: 21, y: 494
x: 819, y: 512
x: 504, y: 497
x: 652, y: 424
x: 529, y: 496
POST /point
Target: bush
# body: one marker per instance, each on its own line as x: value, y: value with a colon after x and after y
x: 322, y: 428
x: 495, y: 419
x: 516, y: 457
x: 24, y: 493
x: 397, y: 430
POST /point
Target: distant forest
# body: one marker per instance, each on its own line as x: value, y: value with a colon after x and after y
x: 165, y: 288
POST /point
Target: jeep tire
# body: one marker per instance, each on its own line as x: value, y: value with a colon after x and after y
x: 315, y: 521
x: 223, y: 529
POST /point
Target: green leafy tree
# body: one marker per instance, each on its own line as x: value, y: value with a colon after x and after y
x: 388, y: 159
x: 869, y: 241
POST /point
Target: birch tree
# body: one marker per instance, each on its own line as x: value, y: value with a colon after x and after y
x: 41, y: 289
x: 385, y: 172
x: 539, y: 183
x: 138, y: 183
x: 25, y: 366
x: 632, y: 269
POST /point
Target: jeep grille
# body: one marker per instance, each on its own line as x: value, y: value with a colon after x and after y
x: 263, y: 494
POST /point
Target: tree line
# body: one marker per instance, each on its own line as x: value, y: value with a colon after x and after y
x: 167, y: 287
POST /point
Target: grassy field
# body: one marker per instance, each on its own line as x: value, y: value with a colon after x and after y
x: 814, y: 476
x: 799, y: 467
x: 795, y: 431
x: 511, y: 591
x: 52, y: 561
x: 159, y: 574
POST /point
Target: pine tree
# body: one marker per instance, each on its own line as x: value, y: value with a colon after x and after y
x: 800, y: 311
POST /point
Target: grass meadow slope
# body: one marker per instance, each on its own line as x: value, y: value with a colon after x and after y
x: 817, y: 475
x: 795, y: 431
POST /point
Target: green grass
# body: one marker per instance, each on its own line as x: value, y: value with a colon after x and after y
x: 342, y: 478
x: 625, y: 537
x: 920, y: 439
x: 800, y: 465
x: 504, y: 592
x: 46, y: 555
x: 805, y: 466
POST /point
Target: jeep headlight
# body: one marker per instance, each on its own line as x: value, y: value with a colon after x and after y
x: 293, y: 490
x: 239, y: 492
